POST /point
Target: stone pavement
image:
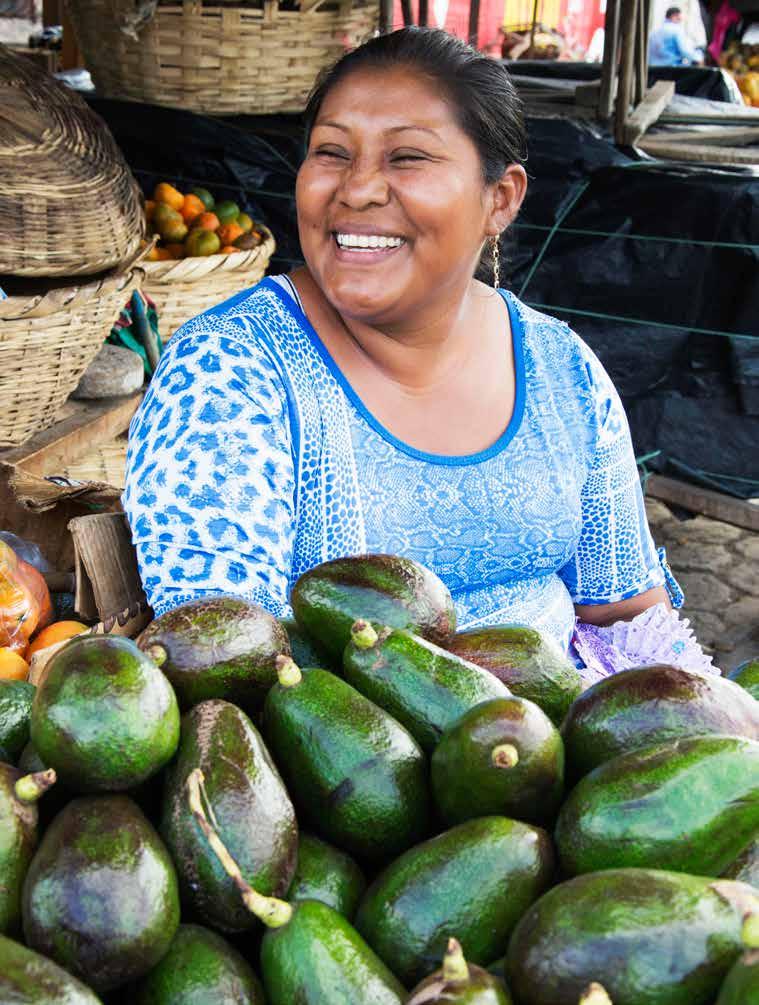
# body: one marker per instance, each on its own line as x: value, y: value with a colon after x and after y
x: 717, y: 565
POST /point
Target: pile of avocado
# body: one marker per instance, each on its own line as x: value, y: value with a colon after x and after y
x: 363, y: 806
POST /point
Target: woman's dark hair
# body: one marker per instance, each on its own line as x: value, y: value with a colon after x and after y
x: 482, y: 95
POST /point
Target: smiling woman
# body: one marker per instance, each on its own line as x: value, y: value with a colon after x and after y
x: 383, y: 399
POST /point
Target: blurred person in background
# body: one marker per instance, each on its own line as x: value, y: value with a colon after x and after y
x: 669, y: 45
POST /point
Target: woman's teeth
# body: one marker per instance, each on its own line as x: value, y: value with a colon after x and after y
x: 367, y: 242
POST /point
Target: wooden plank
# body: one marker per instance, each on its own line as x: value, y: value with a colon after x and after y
x: 424, y: 15
x: 628, y: 22
x: 474, y: 22
x: 704, y: 501
x: 737, y: 115
x: 609, y: 61
x: 725, y: 136
x: 700, y: 153
x: 87, y: 423
x: 386, y: 16
x: 640, y: 82
x: 649, y: 110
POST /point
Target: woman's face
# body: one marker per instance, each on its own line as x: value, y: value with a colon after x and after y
x: 392, y: 206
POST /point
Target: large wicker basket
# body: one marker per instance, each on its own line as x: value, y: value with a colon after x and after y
x: 69, y: 205
x: 217, y: 57
x: 190, y: 286
x: 47, y: 342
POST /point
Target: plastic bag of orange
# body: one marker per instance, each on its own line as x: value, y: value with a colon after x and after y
x: 25, y: 602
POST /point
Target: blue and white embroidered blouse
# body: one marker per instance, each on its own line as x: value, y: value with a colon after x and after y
x: 252, y: 459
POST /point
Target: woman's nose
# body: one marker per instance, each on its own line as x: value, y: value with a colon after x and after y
x: 364, y: 184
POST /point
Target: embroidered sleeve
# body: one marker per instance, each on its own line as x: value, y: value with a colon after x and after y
x: 615, y: 557
x: 210, y: 476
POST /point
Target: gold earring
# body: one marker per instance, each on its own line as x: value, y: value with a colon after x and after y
x: 496, y: 262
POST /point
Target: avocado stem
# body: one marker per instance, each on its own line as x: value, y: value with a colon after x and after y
x: 29, y: 788
x: 750, y: 931
x: 274, y: 913
x: 455, y: 969
x: 157, y: 654
x: 288, y: 672
x: 363, y: 635
x: 505, y: 755
x: 595, y: 994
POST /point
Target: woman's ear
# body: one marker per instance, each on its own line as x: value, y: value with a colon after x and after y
x: 507, y: 196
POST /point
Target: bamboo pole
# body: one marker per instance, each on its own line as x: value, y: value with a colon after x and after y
x: 628, y: 20
x: 610, y: 58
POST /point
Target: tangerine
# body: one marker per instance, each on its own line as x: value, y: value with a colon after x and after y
x: 12, y: 666
x: 205, y: 197
x: 206, y: 221
x: 168, y: 194
x: 227, y: 211
x: 201, y: 243
x: 174, y: 231
x: 228, y: 249
x: 162, y: 213
x: 193, y: 206
x: 246, y: 222
x: 150, y: 206
x: 59, y: 631
x: 176, y: 250
x: 229, y: 232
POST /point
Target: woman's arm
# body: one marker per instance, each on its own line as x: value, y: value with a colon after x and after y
x: 622, y: 610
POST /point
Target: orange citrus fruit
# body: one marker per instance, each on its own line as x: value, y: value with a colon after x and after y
x: 201, y: 243
x: 174, y: 231
x: 150, y: 206
x: 59, y: 631
x: 193, y: 206
x: 229, y: 232
x: 168, y: 194
x: 12, y: 666
x: 228, y: 249
x: 176, y: 250
x: 206, y: 221
x: 246, y: 222
x: 227, y: 211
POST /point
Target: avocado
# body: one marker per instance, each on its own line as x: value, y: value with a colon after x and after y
x: 637, y: 708
x: 324, y: 873
x: 688, y: 805
x: 303, y: 651
x: 26, y: 978
x: 503, y: 756
x: 423, y: 686
x: 18, y: 836
x: 747, y: 675
x: 105, y: 717
x: 356, y: 776
x: 100, y: 896
x: 531, y: 665
x: 217, y: 647
x: 383, y: 589
x: 741, y: 986
x: 459, y: 983
x: 15, y: 709
x: 649, y: 937
x: 745, y: 866
x: 475, y: 880
x: 251, y: 808
x: 200, y: 968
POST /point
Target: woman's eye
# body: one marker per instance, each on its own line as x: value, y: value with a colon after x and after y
x: 399, y: 157
x: 331, y: 152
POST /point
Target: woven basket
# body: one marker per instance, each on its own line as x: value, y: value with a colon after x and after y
x: 47, y: 341
x: 69, y: 205
x: 215, y: 57
x: 190, y: 286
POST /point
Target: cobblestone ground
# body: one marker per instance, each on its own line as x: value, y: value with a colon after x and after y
x: 717, y: 566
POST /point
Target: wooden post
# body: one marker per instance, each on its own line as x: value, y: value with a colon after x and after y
x: 641, y: 51
x: 474, y: 22
x: 628, y: 23
x: 408, y: 17
x: 386, y: 16
x: 609, y: 63
x: 531, y: 50
x: 423, y: 13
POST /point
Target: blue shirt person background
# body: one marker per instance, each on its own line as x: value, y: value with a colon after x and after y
x: 669, y: 45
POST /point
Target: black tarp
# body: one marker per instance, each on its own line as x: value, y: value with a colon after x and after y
x: 653, y: 265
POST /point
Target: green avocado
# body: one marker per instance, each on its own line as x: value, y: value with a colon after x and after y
x: 459, y: 983
x: 318, y: 958
x: 745, y: 866
x: 15, y: 710
x: 747, y: 675
x: 383, y: 589
x: 531, y: 664
x: 26, y: 978
x: 649, y: 937
x: 423, y: 686
x: 217, y: 647
x: 303, y: 651
x: 741, y: 986
x: 689, y: 805
x: 503, y: 756
x: 200, y: 968
x: 356, y: 776
x: 324, y: 873
x: 18, y: 837
x: 653, y: 704
x: 101, y: 896
x: 105, y: 717
x: 250, y: 806
x: 473, y: 883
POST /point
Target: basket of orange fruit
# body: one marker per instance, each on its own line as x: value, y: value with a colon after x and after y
x: 205, y: 252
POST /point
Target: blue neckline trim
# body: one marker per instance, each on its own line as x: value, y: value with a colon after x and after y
x: 450, y: 460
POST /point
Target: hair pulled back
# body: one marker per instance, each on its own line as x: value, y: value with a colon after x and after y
x: 482, y: 96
